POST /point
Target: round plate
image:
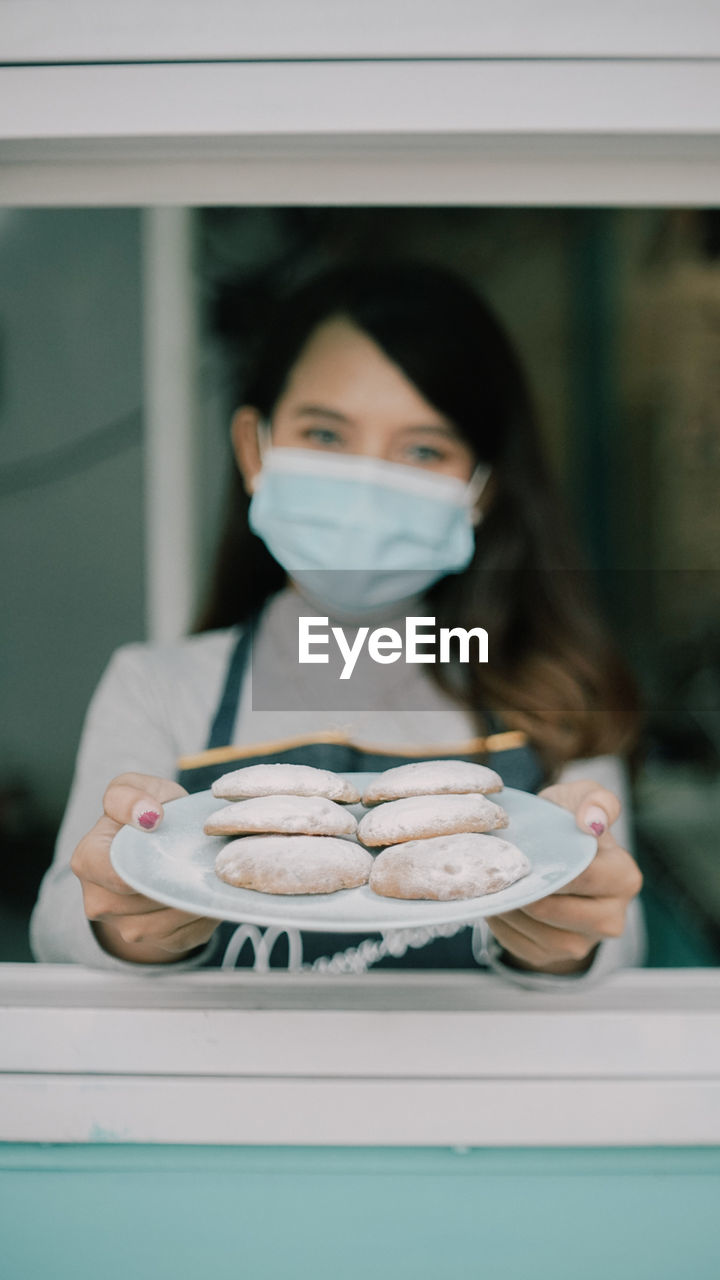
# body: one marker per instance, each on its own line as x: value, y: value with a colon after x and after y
x: 174, y: 865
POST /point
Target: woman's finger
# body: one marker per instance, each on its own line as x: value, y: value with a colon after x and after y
x: 170, y: 930
x: 516, y: 943
x: 91, y: 860
x: 612, y: 873
x: 595, y: 809
x: 194, y: 933
x: 594, y: 917
x: 108, y: 904
x: 525, y: 949
x: 550, y: 942
x: 136, y: 800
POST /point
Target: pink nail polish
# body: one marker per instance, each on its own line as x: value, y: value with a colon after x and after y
x: 148, y: 819
x: 596, y: 820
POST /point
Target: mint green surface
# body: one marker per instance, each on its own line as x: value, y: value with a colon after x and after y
x: 166, y: 1213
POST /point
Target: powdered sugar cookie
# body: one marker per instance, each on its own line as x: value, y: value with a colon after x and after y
x: 293, y: 864
x: 292, y: 815
x: 432, y: 777
x: 420, y: 817
x: 284, y: 779
x: 447, y: 867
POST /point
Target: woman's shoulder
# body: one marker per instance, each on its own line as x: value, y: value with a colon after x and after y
x: 168, y: 688
x: 186, y: 649
x: 191, y: 660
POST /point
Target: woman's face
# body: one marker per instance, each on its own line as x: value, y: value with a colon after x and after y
x: 345, y: 396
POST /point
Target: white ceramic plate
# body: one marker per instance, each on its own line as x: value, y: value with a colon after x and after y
x: 174, y: 865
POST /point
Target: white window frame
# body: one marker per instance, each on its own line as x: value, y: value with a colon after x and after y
x: 386, y: 1059
x: 42, y: 31
x: 291, y: 103
x: 471, y: 131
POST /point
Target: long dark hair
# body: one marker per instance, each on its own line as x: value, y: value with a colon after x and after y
x: 553, y: 670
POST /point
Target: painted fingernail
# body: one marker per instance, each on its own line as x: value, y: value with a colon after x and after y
x: 596, y: 820
x: 148, y: 819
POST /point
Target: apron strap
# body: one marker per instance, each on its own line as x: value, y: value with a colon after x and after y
x: 221, y: 730
x: 493, y: 723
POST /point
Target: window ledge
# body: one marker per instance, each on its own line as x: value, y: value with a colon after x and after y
x: 385, y: 1059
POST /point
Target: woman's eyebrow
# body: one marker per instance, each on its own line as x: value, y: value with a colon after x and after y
x: 438, y: 428
x: 320, y: 411
x: 334, y: 415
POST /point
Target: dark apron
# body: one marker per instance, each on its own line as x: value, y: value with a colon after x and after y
x: 509, y: 752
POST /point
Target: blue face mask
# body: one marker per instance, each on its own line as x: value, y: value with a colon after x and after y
x: 359, y: 534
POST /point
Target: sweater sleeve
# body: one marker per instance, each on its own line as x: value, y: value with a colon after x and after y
x: 127, y: 728
x: 626, y: 952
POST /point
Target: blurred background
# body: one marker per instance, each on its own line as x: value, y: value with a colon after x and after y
x: 617, y: 315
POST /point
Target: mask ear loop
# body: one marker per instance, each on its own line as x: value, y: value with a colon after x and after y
x: 264, y: 438
x: 264, y: 444
x: 476, y: 487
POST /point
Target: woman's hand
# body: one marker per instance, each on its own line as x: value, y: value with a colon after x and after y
x: 126, y: 923
x: 559, y: 933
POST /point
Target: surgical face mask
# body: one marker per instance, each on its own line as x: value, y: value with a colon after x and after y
x: 359, y: 534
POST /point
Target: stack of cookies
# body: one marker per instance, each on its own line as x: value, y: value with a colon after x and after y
x: 290, y: 831
x: 432, y: 821
x: 293, y: 830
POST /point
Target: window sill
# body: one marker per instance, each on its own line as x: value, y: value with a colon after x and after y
x: 386, y: 1059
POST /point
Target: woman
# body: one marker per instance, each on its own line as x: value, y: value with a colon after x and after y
x: 393, y: 392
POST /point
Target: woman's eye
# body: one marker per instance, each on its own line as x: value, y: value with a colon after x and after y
x: 325, y: 437
x: 425, y: 453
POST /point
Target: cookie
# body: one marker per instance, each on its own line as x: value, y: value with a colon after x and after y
x: 291, y: 815
x: 284, y: 779
x: 293, y: 864
x: 432, y: 777
x: 420, y: 817
x: 447, y: 867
